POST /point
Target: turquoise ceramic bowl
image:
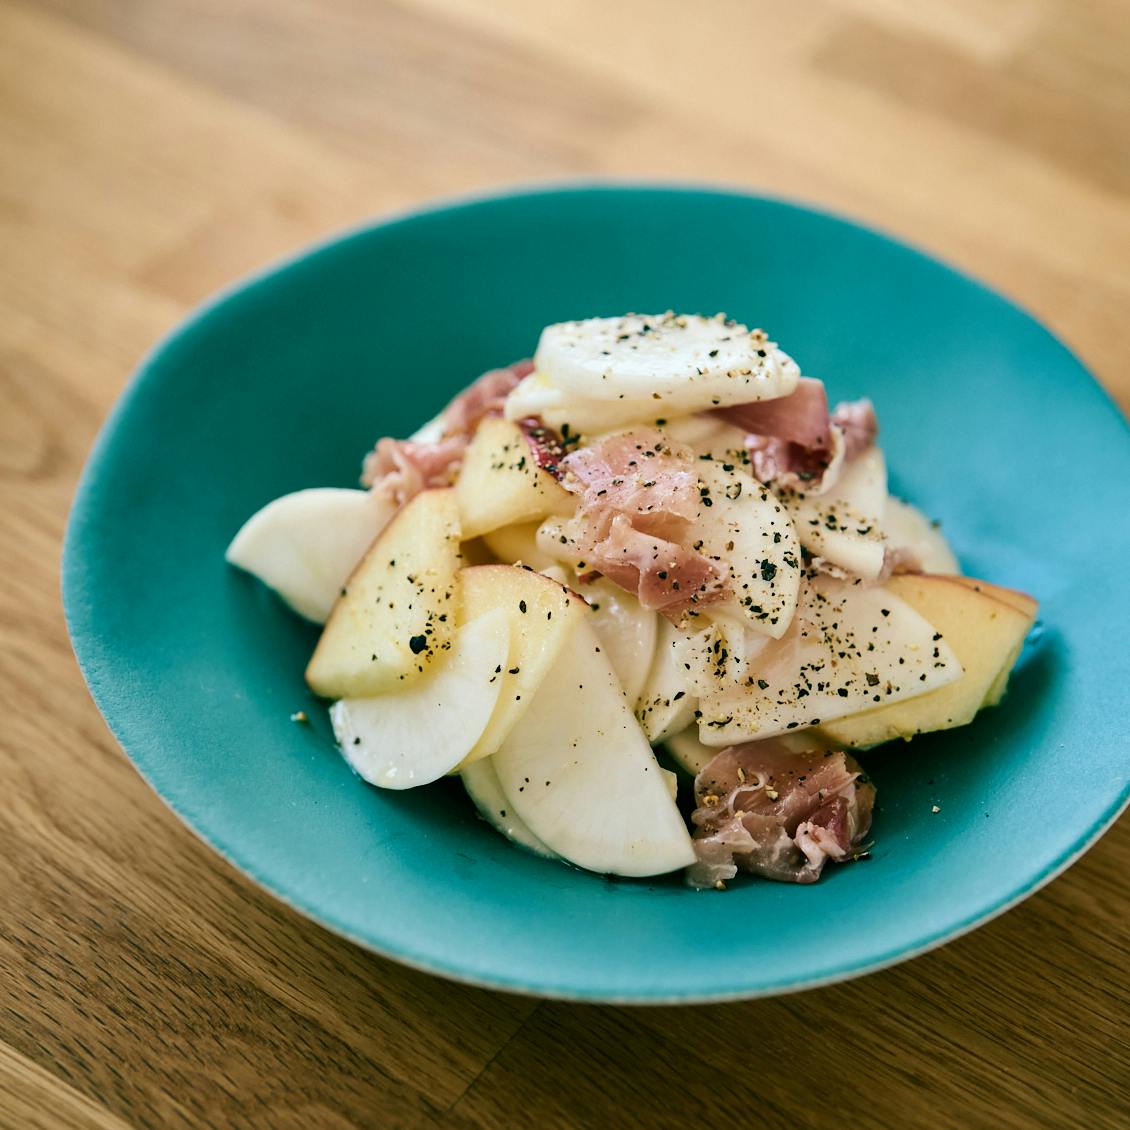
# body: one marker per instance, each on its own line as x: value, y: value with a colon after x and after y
x: 286, y: 380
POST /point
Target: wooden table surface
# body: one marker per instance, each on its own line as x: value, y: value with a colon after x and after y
x: 149, y: 153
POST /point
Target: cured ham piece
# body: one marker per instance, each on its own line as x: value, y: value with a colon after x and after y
x: 664, y: 575
x: 782, y: 815
x: 403, y: 468
x: 638, y: 497
x: 795, y: 441
x: 801, y: 418
x: 641, y: 474
x: 860, y: 427
x: 486, y: 397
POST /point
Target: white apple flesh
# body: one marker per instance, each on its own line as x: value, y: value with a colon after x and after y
x: 907, y: 528
x: 396, y: 613
x: 500, y: 483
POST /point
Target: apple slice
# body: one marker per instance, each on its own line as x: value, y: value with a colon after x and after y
x: 541, y: 614
x: 667, y: 702
x: 481, y: 782
x: 907, y: 528
x: 417, y: 733
x: 397, y: 610
x: 743, y: 524
x: 985, y: 632
x: 500, y: 483
x: 627, y: 631
x: 517, y: 545
x: 304, y: 545
x: 581, y: 775
x: 1023, y: 603
x: 1014, y: 598
x: 850, y: 647
x: 844, y: 526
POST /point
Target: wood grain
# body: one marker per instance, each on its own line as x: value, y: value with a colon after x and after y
x: 149, y: 153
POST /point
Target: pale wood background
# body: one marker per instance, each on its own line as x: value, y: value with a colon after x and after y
x: 149, y: 152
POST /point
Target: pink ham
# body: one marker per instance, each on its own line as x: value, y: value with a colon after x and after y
x: 857, y: 420
x: 639, y: 495
x: 641, y: 474
x: 486, y: 397
x: 801, y: 417
x: 778, y: 814
x: 794, y: 440
x: 403, y: 468
x: 663, y: 574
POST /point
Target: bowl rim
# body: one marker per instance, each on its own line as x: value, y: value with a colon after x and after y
x: 79, y: 628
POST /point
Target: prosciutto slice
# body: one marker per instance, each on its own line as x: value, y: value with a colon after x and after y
x: 664, y: 575
x: 485, y: 397
x: 638, y: 497
x: 796, y: 441
x: 403, y: 468
x: 801, y: 418
x: 640, y: 474
x: 778, y: 814
x: 860, y: 427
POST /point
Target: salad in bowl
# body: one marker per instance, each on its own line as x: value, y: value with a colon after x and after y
x: 648, y: 595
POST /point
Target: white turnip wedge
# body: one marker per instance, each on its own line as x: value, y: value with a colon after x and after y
x: 667, y: 702
x: 540, y: 614
x: 415, y: 735
x: 304, y: 545
x: 481, y: 782
x: 627, y: 631
x: 742, y: 524
x: 581, y: 775
x: 671, y: 359
x: 909, y: 530
x: 844, y: 526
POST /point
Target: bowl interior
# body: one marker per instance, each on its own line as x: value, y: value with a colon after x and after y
x: 989, y: 424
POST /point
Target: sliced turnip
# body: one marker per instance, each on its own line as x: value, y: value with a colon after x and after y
x: 481, y: 782
x: 580, y: 773
x: 909, y: 530
x: 667, y: 702
x: 413, y: 736
x: 743, y: 524
x: 627, y: 631
x: 304, y: 545
x: 844, y: 526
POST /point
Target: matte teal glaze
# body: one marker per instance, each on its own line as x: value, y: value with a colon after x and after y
x: 286, y: 380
